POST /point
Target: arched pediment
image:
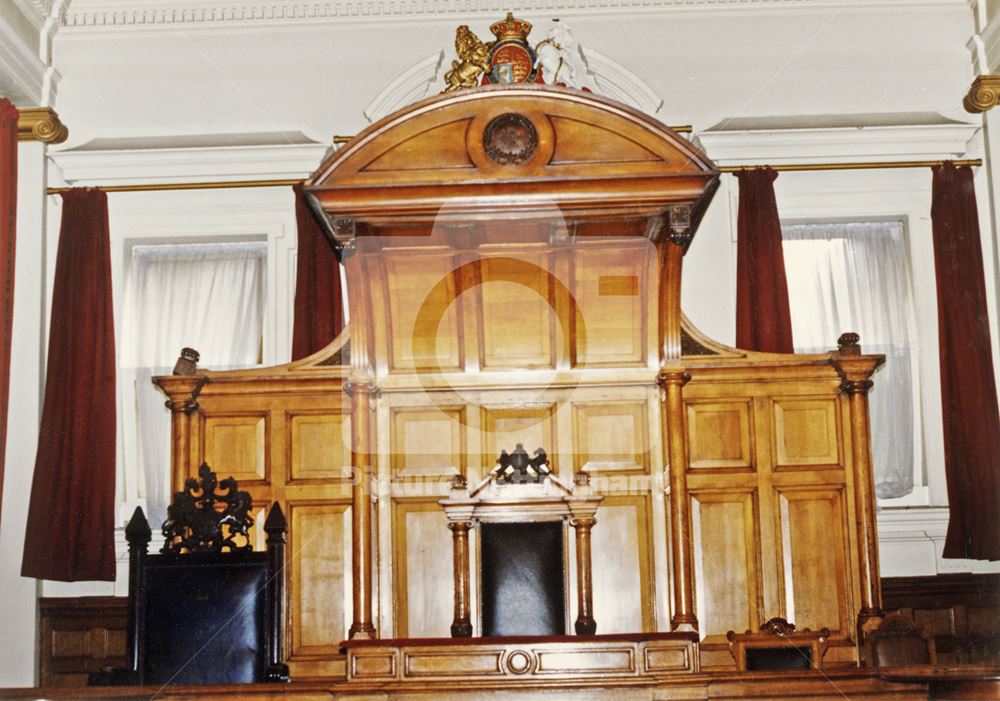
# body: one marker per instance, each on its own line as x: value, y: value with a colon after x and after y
x: 506, y: 148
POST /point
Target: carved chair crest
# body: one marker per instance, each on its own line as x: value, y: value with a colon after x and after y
x: 518, y: 468
x: 208, y: 516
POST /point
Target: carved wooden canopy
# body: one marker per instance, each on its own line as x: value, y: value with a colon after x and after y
x: 515, y: 151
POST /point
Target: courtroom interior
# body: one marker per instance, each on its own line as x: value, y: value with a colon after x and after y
x: 409, y: 350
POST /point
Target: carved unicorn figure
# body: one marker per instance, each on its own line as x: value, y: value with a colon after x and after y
x: 560, y: 58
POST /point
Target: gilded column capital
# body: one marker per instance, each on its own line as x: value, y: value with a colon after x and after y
x: 41, y: 124
x: 983, y: 94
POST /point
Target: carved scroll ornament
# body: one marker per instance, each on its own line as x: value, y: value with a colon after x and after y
x: 208, y: 516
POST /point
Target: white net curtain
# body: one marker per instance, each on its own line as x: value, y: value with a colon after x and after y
x: 856, y: 277
x: 209, y: 297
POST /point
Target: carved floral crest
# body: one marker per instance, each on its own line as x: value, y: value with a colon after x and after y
x: 518, y: 468
x: 208, y: 516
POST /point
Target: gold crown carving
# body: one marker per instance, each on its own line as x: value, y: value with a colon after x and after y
x: 511, y: 28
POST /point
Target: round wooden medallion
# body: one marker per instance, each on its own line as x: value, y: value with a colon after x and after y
x: 510, y: 139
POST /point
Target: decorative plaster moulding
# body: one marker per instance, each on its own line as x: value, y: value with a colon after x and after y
x: 134, y: 164
x: 137, y: 14
x: 841, y: 144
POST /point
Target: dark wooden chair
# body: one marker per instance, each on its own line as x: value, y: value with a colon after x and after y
x: 898, y: 642
x: 207, y: 609
x: 778, y: 646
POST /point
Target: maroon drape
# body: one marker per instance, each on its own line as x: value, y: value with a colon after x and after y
x: 8, y: 220
x: 70, y: 532
x: 763, y: 321
x: 319, y: 315
x: 968, y: 388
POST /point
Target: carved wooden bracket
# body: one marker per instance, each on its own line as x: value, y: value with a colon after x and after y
x: 190, y: 403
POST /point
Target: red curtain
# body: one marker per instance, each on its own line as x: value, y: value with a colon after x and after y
x: 968, y: 388
x: 319, y: 314
x: 71, y: 518
x: 763, y: 321
x: 8, y: 220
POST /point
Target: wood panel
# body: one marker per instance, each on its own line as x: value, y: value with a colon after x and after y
x: 611, y: 436
x: 519, y: 328
x: 423, y: 569
x: 320, y: 582
x: 621, y: 542
x: 319, y: 444
x: 960, y: 611
x: 423, y: 314
x: 814, y: 548
x: 427, y: 443
x: 806, y: 432
x: 80, y: 635
x: 610, y: 290
x: 532, y: 426
x: 720, y: 435
x: 728, y: 589
x: 234, y: 445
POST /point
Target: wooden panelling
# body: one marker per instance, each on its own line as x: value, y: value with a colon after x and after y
x: 960, y: 611
x: 423, y: 569
x: 505, y: 427
x: 427, y: 443
x: 524, y: 663
x: 80, y: 635
x: 609, y: 285
x: 719, y: 435
x: 611, y: 436
x: 235, y: 446
x: 727, y: 568
x: 806, y: 432
x: 813, y: 549
x: 621, y: 542
x: 518, y: 319
x: 424, y: 317
x: 448, y: 151
x: 319, y: 446
x: 319, y: 587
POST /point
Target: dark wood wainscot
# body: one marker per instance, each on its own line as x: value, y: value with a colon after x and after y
x: 79, y: 635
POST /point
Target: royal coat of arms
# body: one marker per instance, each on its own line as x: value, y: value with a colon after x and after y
x: 507, y: 59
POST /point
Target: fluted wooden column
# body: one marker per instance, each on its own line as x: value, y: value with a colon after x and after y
x: 361, y: 394
x: 585, y: 623
x: 461, y: 625
x: 856, y: 371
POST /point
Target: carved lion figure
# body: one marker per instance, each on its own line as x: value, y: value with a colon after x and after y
x: 474, y: 55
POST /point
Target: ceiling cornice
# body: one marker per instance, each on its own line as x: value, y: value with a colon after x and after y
x: 138, y: 14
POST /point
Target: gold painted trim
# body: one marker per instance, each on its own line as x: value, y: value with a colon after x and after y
x: 221, y: 185
x: 41, y: 124
x: 865, y: 165
x: 983, y: 94
x: 156, y: 187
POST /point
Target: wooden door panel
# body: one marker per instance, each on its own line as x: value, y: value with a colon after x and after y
x: 422, y: 567
x: 813, y: 547
x: 319, y: 590
x: 621, y: 543
x: 728, y: 588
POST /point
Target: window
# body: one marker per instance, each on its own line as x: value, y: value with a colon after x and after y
x: 857, y: 277
x: 205, y: 296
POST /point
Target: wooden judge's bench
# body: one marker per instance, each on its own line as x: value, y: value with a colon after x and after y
x: 513, y: 258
